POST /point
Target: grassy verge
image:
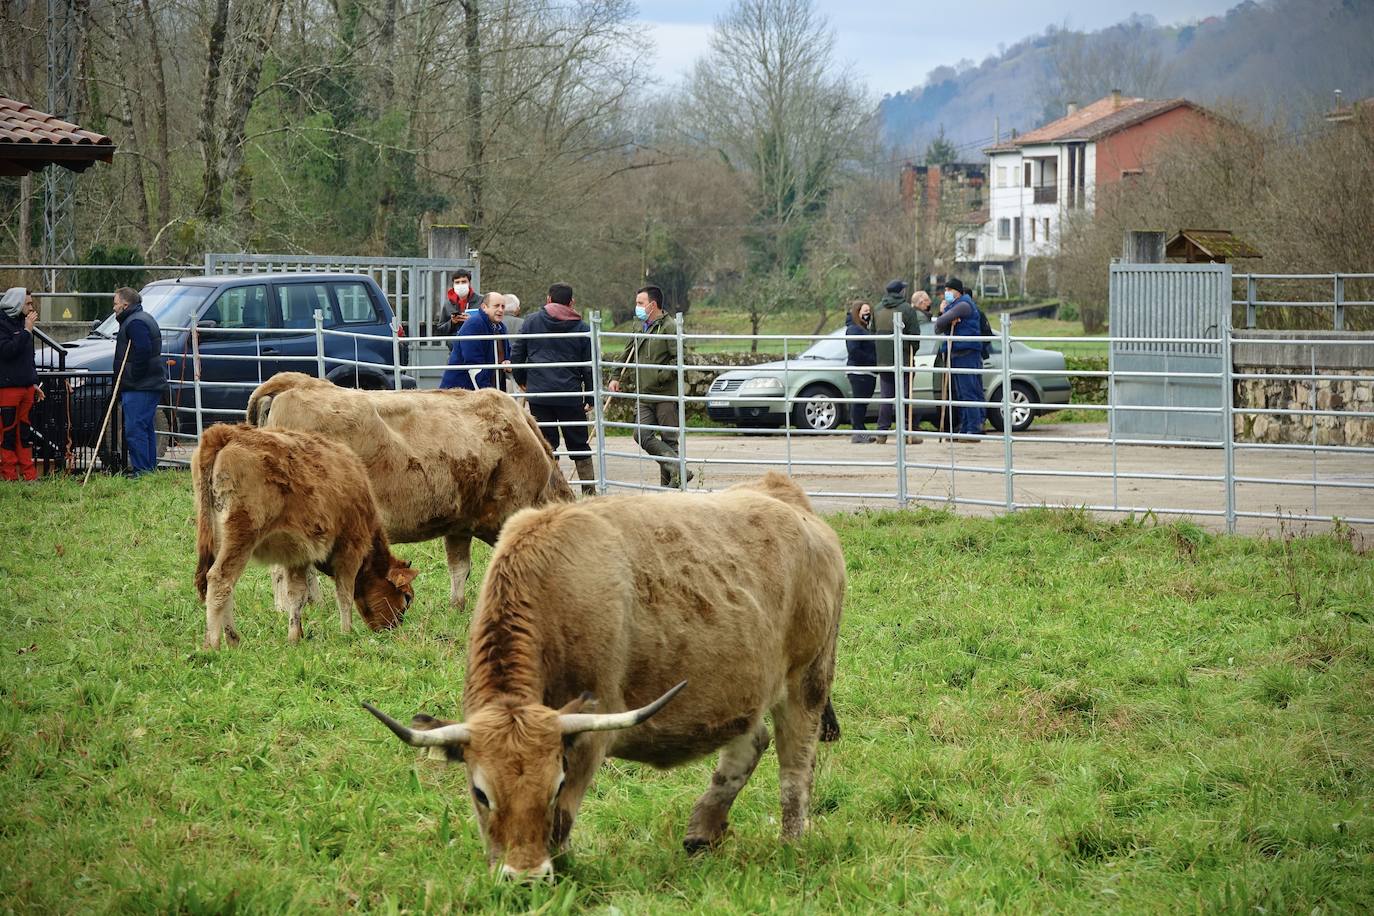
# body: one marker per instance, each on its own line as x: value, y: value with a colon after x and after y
x: 1041, y: 713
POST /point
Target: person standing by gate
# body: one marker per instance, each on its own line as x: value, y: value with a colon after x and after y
x: 561, y: 395
x: 473, y: 369
x: 862, y: 354
x: 18, y: 384
x: 891, y: 304
x: 962, y: 320
x: 138, y: 349
x: 654, y: 352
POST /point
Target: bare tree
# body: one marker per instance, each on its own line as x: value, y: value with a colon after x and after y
x: 1085, y: 67
x: 768, y: 97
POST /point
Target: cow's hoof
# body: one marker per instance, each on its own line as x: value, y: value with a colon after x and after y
x: 695, y: 845
x: 231, y: 637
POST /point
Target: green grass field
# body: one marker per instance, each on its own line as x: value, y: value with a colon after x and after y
x: 1041, y: 713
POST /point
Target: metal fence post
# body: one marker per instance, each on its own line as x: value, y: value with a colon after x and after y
x: 396, y: 350
x: 195, y: 381
x: 1250, y: 309
x: 1340, y: 303
x: 598, y: 413
x: 319, y: 342
x: 899, y: 421
x: 681, y: 407
x: 1228, y: 419
x: 1005, y: 323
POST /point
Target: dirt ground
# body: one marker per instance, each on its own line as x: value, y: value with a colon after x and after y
x: 1186, y: 481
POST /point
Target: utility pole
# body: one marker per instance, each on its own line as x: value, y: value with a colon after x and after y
x: 59, y: 184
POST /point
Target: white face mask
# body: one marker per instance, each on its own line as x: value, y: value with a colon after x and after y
x: 461, y: 289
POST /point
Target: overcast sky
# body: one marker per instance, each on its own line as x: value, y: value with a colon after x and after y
x: 893, y: 45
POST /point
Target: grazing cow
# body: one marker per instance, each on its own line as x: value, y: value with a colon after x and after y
x: 453, y: 463
x: 735, y: 594
x: 296, y: 500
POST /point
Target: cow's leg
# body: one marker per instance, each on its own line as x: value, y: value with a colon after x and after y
x: 294, y: 592
x: 458, y: 549
x: 711, y: 814
x: 797, y: 721
x: 230, y: 561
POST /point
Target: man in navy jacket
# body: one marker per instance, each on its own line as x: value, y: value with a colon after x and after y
x: 476, y: 347
x: 962, y: 320
x: 143, y: 378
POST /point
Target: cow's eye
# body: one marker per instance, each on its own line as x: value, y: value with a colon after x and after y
x: 481, y: 797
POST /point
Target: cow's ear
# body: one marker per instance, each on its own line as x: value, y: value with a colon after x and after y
x: 401, y: 576
x: 451, y: 753
x: 585, y: 703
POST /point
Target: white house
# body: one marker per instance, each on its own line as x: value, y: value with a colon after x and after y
x: 1037, y: 179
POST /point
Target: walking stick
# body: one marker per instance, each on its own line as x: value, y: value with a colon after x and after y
x: 109, y: 410
x: 944, y: 397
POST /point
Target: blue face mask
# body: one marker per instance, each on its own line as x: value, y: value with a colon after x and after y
x: 641, y: 313
x: 949, y: 295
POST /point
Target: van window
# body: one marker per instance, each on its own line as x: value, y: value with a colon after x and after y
x: 298, y: 304
x: 355, y: 305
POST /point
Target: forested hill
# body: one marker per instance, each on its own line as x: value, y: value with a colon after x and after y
x: 1278, y: 58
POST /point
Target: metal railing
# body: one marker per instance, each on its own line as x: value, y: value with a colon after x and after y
x: 1228, y: 479
x: 1339, y: 302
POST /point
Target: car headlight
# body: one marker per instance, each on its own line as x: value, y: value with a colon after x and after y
x: 763, y: 383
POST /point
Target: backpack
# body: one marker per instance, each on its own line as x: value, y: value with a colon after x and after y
x: 985, y: 330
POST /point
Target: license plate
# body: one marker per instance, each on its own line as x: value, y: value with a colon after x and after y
x: 717, y: 404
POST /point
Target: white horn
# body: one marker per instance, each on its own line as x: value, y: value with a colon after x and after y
x: 444, y: 736
x: 574, y: 723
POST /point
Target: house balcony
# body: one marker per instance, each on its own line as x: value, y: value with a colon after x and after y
x: 1046, y: 194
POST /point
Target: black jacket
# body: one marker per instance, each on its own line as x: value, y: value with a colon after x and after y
x: 16, y: 354
x: 140, y: 335
x: 859, y: 343
x: 526, y: 353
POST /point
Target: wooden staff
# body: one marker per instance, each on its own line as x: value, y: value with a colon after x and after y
x: 109, y: 410
x: 949, y: 360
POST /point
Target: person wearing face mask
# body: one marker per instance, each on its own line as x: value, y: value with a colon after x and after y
x: 19, y: 389
x: 883, y: 322
x: 652, y: 354
x: 462, y: 297
x: 863, y: 353
x: 963, y: 321
x: 477, y: 349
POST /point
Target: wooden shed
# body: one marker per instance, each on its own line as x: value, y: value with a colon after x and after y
x: 1208, y: 246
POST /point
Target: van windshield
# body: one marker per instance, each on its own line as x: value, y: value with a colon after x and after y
x: 173, y: 305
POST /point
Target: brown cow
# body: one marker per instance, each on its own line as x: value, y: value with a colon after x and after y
x: 296, y: 500
x: 738, y: 593
x: 452, y: 463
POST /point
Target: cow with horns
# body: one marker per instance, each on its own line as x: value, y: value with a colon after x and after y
x: 727, y: 604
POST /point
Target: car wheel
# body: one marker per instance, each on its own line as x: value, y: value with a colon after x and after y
x: 816, y: 408
x: 1023, y: 402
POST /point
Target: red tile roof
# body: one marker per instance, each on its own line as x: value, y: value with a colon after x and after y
x: 21, y: 124
x: 1103, y: 117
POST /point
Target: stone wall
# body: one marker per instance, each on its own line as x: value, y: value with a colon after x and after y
x: 1284, y: 353
x: 702, y: 371
x: 1305, y: 394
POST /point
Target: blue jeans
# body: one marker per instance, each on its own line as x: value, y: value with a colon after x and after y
x: 140, y: 430
x: 969, y: 388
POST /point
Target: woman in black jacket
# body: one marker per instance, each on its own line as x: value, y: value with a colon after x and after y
x: 18, y: 384
x: 863, y: 353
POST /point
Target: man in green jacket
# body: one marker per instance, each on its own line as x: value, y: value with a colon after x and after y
x: 654, y: 351
x: 891, y: 304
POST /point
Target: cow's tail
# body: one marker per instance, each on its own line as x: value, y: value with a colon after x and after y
x: 212, y: 442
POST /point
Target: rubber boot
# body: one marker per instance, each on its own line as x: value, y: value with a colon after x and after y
x: 586, y: 470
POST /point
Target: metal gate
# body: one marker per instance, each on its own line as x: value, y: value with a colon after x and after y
x: 1169, y: 325
x: 414, y: 286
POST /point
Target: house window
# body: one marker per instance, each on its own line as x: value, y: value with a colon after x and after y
x: 970, y: 246
x: 1046, y: 235
x: 1004, y: 228
x: 1032, y: 229
x: 1028, y: 174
